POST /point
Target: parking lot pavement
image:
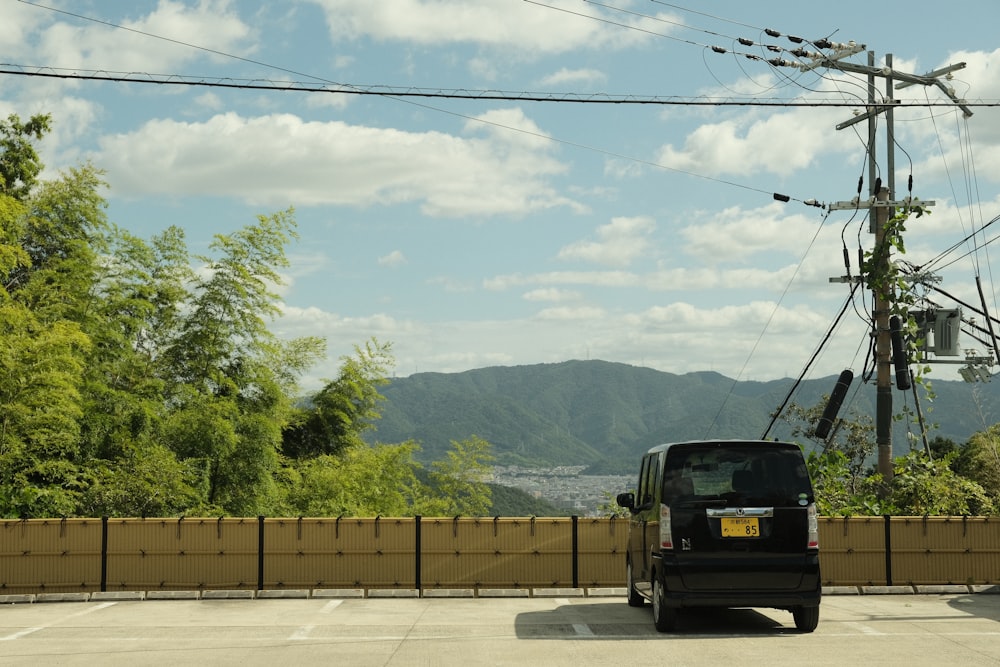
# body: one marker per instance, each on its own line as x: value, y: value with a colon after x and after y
x: 888, y: 629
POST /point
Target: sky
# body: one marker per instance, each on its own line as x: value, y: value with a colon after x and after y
x: 513, y: 219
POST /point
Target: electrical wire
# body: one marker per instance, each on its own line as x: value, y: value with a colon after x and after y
x: 706, y: 15
x: 805, y: 369
x: 767, y: 324
x: 403, y: 94
x: 382, y: 90
x: 933, y: 262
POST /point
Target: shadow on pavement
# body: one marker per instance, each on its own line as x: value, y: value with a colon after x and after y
x: 984, y: 604
x: 613, y: 621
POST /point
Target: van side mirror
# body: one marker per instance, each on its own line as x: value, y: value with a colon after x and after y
x: 626, y: 500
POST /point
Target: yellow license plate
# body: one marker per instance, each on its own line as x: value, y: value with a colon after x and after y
x: 740, y: 527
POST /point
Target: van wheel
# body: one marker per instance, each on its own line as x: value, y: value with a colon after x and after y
x: 664, y: 617
x: 806, y: 618
x: 634, y: 599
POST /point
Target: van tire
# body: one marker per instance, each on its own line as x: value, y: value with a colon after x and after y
x: 634, y: 599
x: 664, y: 617
x: 806, y: 618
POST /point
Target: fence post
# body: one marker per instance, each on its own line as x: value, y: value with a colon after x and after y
x: 888, y: 550
x: 104, y: 554
x: 260, y: 553
x: 576, y: 551
x: 416, y: 551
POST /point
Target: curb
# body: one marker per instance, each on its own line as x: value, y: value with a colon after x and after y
x: 468, y: 593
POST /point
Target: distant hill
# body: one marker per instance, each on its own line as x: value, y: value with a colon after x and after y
x: 604, y: 414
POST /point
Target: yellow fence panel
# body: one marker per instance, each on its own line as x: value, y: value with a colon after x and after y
x: 50, y: 556
x: 601, y: 552
x: 852, y: 551
x: 181, y: 554
x: 339, y: 553
x: 496, y: 553
x: 945, y: 550
x: 86, y: 555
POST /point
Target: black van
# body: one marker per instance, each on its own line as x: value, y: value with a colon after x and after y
x: 723, y: 523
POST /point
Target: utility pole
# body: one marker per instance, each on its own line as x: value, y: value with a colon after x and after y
x: 880, y: 203
x: 883, y: 347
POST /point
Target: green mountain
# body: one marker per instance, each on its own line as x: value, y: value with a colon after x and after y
x: 604, y: 415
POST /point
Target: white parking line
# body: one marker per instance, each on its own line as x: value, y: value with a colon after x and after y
x: 862, y: 628
x: 18, y: 635
x: 28, y: 631
x: 302, y: 633
x: 330, y: 606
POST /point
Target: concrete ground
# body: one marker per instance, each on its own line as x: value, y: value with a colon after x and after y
x: 903, y: 629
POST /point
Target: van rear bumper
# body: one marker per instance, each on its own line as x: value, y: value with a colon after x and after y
x: 806, y: 594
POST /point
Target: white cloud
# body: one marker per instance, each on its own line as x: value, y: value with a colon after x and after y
x: 735, y: 234
x: 20, y: 21
x: 280, y: 159
x: 782, y: 143
x: 593, y: 278
x: 450, y: 284
x: 209, y: 101
x: 211, y: 24
x: 567, y: 76
x: 497, y: 23
x: 677, y: 337
x: 552, y: 294
x: 618, y: 244
x: 571, y: 313
x: 393, y: 259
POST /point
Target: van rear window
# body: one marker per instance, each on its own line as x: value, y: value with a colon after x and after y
x: 737, y: 473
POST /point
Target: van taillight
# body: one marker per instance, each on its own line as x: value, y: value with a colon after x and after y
x: 666, y: 534
x: 813, y: 522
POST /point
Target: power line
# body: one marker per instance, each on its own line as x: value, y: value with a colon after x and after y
x: 767, y: 324
x: 798, y: 51
x: 798, y: 381
x: 169, y: 39
x: 407, y: 94
x: 381, y: 90
x: 710, y: 16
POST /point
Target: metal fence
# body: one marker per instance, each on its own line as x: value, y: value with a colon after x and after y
x: 88, y: 555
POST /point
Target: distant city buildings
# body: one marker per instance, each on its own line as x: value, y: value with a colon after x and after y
x: 565, y: 486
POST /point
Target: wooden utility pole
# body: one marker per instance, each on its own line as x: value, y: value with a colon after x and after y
x: 881, y: 204
x: 883, y: 344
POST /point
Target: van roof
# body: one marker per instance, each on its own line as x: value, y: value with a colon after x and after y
x: 777, y: 444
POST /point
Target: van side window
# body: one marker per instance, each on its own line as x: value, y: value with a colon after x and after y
x: 647, y: 481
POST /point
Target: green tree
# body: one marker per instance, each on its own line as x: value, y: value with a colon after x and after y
x: 19, y: 162
x: 65, y: 234
x: 380, y: 480
x: 143, y: 481
x: 13, y: 257
x: 840, y: 490
x: 853, y: 437
x: 229, y: 403
x: 941, y: 447
x: 337, y: 415
x: 924, y: 486
x: 458, y: 482
x: 41, y: 366
x: 979, y: 460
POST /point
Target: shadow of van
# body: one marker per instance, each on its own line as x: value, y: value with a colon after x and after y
x: 617, y: 620
x: 984, y: 603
